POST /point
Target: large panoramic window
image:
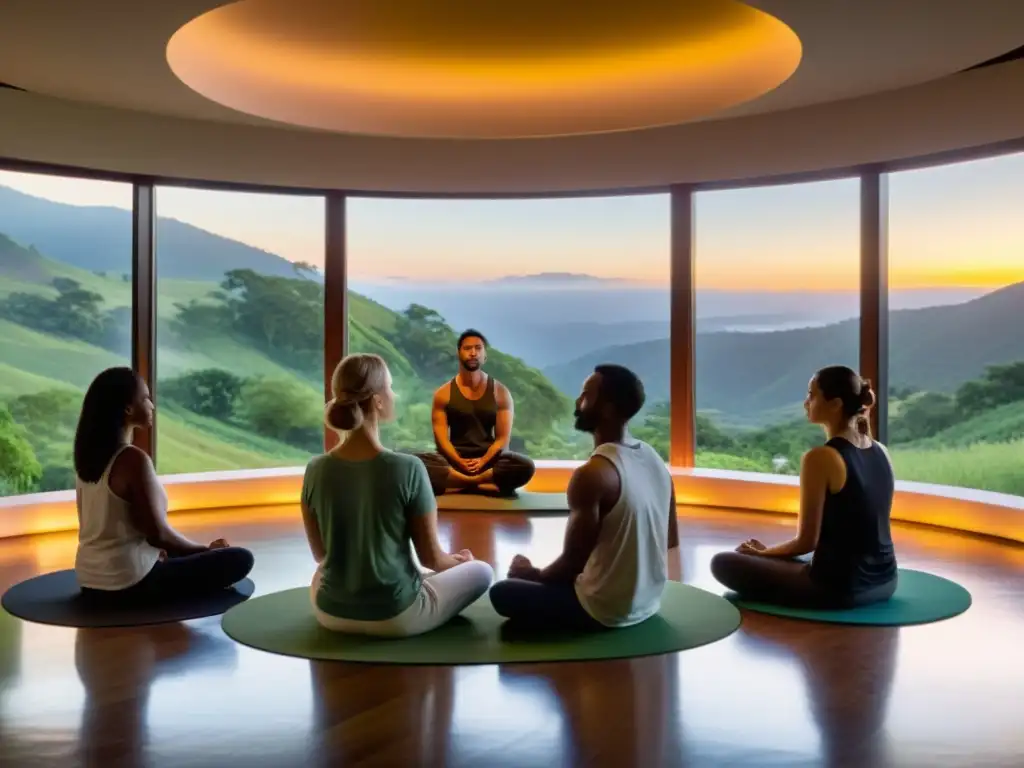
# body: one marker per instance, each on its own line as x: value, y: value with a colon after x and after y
x: 65, y: 299
x: 956, y: 365
x: 777, y: 283
x: 240, y: 305
x: 556, y: 286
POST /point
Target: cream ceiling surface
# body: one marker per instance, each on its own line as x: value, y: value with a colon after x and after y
x: 875, y: 81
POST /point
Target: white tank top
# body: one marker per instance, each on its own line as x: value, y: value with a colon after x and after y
x: 112, y: 553
x: 625, y: 575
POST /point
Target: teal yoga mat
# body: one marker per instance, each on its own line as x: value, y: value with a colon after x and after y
x: 283, y: 623
x: 920, y: 598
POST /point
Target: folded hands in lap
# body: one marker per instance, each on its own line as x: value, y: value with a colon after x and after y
x: 471, y: 466
x: 751, y: 547
x: 462, y: 556
x: 216, y: 544
x: 522, y: 568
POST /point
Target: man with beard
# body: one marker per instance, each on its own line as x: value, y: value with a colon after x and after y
x: 622, y: 522
x: 472, y: 419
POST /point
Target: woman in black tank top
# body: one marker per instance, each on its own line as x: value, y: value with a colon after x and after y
x: 847, y: 488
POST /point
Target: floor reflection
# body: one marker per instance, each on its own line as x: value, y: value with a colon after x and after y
x: 350, y: 729
x: 639, y: 727
x: 848, y: 682
x: 776, y: 692
x: 118, y: 669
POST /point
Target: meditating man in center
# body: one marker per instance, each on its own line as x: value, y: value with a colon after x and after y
x: 622, y: 524
x: 472, y: 419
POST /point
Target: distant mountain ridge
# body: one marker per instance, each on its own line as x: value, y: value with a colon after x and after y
x: 935, y: 348
x: 558, y: 278
x: 742, y: 373
x: 99, y: 239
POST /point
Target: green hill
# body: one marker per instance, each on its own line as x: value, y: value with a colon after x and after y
x: 239, y: 364
x: 99, y: 239
x: 985, y: 451
x: 748, y: 374
x: 240, y: 379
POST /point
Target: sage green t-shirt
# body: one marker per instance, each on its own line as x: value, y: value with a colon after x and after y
x: 363, y: 509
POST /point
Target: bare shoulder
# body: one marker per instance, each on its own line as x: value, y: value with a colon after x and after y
x: 131, y: 465
x: 502, y: 394
x: 594, y: 480
x: 825, y: 464
x: 443, y: 394
x: 132, y: 460
x: 822, y: 458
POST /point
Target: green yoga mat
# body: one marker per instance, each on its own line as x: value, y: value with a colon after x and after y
x: 920, y: 598
x: 523, y: 501
x: 283, y: 622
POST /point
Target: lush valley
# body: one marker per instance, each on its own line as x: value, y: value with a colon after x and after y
x: 240, y: 379
x: 240, y: 368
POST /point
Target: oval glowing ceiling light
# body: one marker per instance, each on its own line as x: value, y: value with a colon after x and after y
x: 483, y: 69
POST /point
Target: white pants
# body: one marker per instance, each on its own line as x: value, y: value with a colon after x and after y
x: 442, y: 596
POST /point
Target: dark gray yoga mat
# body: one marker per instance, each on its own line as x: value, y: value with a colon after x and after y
x: 55, y: 598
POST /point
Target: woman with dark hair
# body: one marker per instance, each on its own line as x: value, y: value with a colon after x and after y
x: 846, y: 492
x: 126, y: 548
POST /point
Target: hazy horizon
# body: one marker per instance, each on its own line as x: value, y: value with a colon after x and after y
x: 951, y: 228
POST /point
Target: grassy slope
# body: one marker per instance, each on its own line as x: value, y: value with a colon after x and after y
x: 957, y: 456
x: 993, y: 466
x: 191, y: 443
x: 32, y: 362
x: 15, y: 382
x: 187, y: 442
x: 65, y: 361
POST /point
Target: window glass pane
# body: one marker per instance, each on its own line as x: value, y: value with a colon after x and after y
x: 555, y: 285
x: 777, y: 281
x: 956, y: 272
x: 240, y: 305
x: 65, y: 315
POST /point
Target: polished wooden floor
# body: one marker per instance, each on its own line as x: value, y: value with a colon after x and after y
x: 775, y: 693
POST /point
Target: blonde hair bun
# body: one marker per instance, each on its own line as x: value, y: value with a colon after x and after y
x: 355, y: 381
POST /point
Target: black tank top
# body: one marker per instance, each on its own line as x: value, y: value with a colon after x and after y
x: 471, y: 422
x: 855, y: 550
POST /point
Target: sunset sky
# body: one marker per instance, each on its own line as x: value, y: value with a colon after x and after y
x: 957, y: 225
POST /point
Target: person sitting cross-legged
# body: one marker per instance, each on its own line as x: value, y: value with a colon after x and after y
x: 846, y: 492
x: 128, y: 552
x: 472, y: 420
x: 622, y: 524
x: 365, y: 508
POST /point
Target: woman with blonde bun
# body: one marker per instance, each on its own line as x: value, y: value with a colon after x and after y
x: 363, y: 506
x: 846, y: 492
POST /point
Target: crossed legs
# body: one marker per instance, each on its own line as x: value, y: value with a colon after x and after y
x: 506, y: 472
x: 442, y: 596
x: 786, y: 582
x: 550, y: 606
x: 184, y: 577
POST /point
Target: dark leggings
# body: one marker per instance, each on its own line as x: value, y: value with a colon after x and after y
x: 787, y: 582
x: 181, y: 578
x: 511, y: 470
x: 551, y: 606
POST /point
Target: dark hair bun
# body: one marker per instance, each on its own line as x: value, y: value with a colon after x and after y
x: 867, y: 395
